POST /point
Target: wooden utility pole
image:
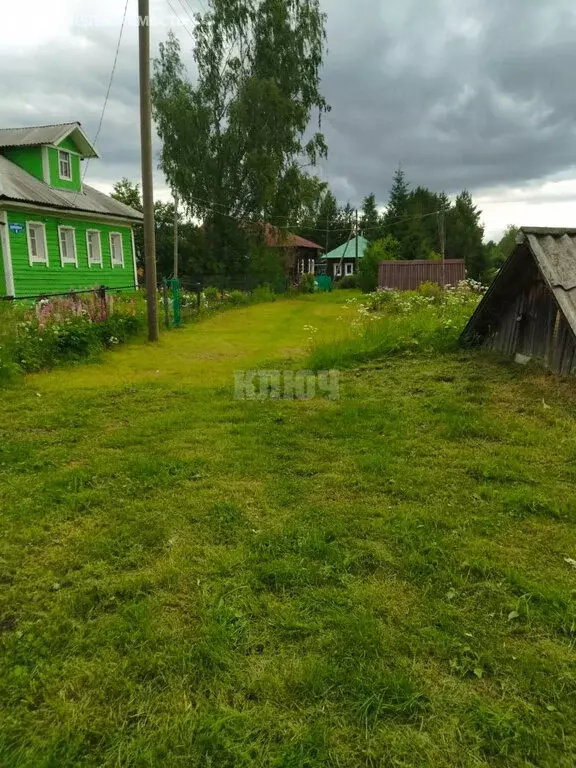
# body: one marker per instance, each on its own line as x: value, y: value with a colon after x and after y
x: 176, y: 235
x: 147, y: 181
x: 356, y: 258
x: 442, y: 223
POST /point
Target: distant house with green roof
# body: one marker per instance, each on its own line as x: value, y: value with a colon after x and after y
x: 341, y: 262
x: 57, y: 234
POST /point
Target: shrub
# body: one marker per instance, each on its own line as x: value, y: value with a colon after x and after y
x: 211, y: 293
x: 263, y: 293
x: 237, y: 297
x: 348, y: 282
x: 431, y: 291
x: 385, y: 249
x: 307, y: 283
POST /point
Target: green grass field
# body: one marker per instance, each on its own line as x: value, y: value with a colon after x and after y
x: 383, y: 580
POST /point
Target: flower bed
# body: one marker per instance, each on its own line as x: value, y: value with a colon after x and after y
x: 59, y: 330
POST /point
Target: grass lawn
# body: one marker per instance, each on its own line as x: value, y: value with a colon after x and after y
x: 383, y: 580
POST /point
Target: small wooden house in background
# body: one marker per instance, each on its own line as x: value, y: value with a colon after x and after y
x: 342, y: 261
x: 299, y: 256
x: 529, y: 310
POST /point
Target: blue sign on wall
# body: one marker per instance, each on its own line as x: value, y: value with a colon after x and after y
x: 16, y: 229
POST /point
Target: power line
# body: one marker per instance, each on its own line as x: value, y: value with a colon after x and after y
x: 201, y: 5
x: 190, y: 35
x: 187, y: 12
x: 270, y: 221
x: 111, y: 80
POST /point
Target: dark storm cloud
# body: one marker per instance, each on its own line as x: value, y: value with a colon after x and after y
x: 463, y: 93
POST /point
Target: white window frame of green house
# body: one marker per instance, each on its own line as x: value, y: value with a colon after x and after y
x: 114, y: 261
x: 348, y: 269
x: 65, y: 160
x: 39, y: 230
x: 67, y: 242
x: 91, y: 261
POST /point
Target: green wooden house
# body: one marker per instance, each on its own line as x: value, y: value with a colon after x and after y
x: 57, y: 234
x: 341, y: 262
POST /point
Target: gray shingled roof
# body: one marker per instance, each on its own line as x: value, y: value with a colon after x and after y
x: 17, y: 184
x: 554, y: 251
x: 39, y: 135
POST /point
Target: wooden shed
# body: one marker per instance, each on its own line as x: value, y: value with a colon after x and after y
x: 529, y: 310
x: 409, y: 275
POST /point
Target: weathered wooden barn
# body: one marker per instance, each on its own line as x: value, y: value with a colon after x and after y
x: 530, y: 309
x: 409, y: 275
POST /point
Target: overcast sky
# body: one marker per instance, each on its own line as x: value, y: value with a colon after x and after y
x: 463, y: 93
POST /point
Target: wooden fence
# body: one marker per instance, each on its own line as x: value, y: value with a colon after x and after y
x: 409, y: 275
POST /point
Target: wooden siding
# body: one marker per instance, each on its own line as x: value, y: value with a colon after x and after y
x: 332, y: 266
x: 53, y: 163
x: 35, y: 279
x: 409, y: 275
x: 534, y: 326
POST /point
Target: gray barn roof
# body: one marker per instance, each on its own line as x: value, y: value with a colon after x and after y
x: 554, y: 251
x: 40, y: 135
x: 18, y: 185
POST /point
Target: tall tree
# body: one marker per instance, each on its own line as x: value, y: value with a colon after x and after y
x: 127, y: 192
x: 370, y: 220
x: 235, y: 142
x: 329, y: 225
x: 396, y: 217
x: 465, y: 234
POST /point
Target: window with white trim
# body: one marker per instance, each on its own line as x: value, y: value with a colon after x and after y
x: 338, y: 270
x: 37, y: 248
x: 116, y: 249
x: 349, y: 268
x: 94, y: 248
x: 65, y: 165
x: 67, y: 238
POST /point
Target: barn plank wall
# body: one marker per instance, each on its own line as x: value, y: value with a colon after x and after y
x: 533, y: 326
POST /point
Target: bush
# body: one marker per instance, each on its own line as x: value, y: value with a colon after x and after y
x: 307, y: 283
x: 431, y: 291
x: 385, y: 249
x: 237, y: 297
x: 348, y: 282
x: 263, y: 293
x: 211, y: 293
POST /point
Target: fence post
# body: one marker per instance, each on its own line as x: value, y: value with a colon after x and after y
x: 176, y: 302
x: 165, y: 302
x: 102, y: 296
